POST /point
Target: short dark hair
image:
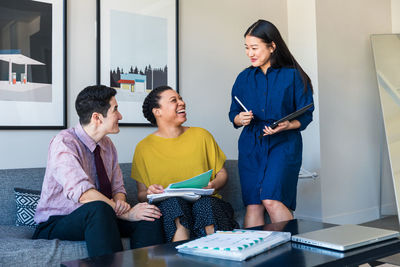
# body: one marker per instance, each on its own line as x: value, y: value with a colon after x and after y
x: 151, y: 101
x: 95, y: 98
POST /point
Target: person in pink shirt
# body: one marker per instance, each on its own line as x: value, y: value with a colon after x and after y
x: 83, y: 195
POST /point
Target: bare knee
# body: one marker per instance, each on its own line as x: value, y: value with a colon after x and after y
x: 255, y: 209
x: 277, y: 210
x: 254, y: 216
x: 270, y: 204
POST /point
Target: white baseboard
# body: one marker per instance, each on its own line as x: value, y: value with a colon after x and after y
x: 307, y: 217
x: 356, y: 217
x: 389, y: 209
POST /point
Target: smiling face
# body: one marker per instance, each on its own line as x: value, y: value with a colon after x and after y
x: 172, y: 108
x: 110, y: 123
x: 259, y: 52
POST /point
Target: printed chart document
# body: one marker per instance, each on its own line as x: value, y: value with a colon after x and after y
x: 190, y: 189
x: 236, y: 245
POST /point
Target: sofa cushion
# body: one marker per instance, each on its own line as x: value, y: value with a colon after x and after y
x: 18, y: 249
x: 40, y: 252
x: 26, y: 201
x: 31, y: 178
x: 130, y: 184
x: 12, y: 231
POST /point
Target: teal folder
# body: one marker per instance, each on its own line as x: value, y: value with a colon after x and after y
x: 198, y: 181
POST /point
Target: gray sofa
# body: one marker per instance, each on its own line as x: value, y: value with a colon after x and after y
x: 18, y: 249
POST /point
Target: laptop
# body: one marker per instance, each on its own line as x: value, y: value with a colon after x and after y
x: 319, y: 250
x: 344, y: 237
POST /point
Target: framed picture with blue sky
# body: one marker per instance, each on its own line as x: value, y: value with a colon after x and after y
x: 33, y: 64
x: 137, y: 51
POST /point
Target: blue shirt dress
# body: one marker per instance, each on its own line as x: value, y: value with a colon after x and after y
x: 269, y: 165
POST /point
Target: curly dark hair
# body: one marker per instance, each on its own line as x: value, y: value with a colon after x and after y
x: 151, y: 101
x: 95, y: 98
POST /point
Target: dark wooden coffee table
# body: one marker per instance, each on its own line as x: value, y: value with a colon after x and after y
x: 288, y: 254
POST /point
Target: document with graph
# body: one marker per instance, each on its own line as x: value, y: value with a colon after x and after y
x: 235, y: 245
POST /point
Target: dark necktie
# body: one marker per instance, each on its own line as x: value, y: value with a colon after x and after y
x: 104, y: 183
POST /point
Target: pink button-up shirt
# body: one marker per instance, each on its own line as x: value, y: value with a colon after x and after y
x: 71, y: 171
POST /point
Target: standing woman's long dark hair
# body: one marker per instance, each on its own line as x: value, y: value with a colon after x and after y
x: 281, y: 57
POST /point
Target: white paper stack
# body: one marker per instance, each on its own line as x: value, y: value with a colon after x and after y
x: 235, y: 245
x: 189, y: 196
x: 190, y: 189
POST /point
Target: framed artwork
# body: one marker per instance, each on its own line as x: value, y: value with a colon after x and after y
x: 33, y: 64
x: 137, y: 51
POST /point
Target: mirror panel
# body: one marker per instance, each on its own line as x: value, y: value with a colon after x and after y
x: 386, y: 50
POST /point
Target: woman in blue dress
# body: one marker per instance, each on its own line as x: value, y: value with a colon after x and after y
x: 269, y: 159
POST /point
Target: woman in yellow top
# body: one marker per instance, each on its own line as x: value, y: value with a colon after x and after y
x: 174, y: 153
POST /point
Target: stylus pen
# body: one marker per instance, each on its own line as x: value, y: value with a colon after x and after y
x: 240, y: 103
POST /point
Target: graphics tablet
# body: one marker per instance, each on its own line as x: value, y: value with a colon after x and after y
x: 291, y: 116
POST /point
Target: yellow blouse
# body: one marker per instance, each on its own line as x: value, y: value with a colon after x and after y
x: 162, y: 161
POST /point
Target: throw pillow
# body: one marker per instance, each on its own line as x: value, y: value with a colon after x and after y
x: 26, y: 201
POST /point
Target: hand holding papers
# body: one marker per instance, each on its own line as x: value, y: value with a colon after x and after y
x: 191, y: 189
x: 234, y: 245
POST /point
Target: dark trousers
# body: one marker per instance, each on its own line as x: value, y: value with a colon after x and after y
x: 97, y: 224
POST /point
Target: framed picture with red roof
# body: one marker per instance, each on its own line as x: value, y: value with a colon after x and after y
x: 137, y: 51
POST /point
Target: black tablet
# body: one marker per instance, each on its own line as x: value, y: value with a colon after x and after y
x: 291, y: 116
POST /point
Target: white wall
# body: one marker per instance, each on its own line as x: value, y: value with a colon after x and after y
x: 350, y: 116
x: 82, y: 71
x: 303, y: 44
x: 395, y: 16
x: 211, y: 56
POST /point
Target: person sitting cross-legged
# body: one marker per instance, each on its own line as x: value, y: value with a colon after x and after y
x: 174, y: 153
